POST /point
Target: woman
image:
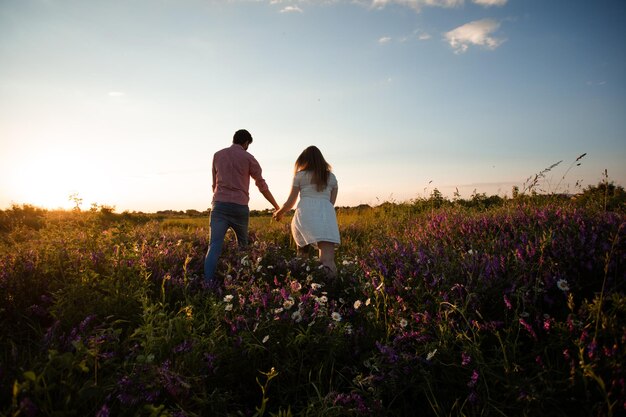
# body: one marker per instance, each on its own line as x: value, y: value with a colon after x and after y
x: 315, y: 221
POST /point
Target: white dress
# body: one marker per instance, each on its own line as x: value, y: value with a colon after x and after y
x: 315, y: 219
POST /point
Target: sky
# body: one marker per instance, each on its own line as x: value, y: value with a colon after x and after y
x: 124, y: 102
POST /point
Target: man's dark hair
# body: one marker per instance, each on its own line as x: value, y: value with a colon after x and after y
x: 242, y: 136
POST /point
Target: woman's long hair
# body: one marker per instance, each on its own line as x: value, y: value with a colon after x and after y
x: 311, y: 159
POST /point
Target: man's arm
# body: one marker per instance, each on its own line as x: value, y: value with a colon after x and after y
x: 214, y: 173
x: 269, y: 197
x: 257, y: 174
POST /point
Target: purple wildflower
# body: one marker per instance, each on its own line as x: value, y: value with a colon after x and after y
x: 184, y: 347
x: 528, y: 328
x: 473, y: 379
x: 103, y: 412
x: 507, y: 302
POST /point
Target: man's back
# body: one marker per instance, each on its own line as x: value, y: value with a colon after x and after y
x: 232, y: 169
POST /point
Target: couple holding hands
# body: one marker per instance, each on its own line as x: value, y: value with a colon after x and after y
x: 314, y: 222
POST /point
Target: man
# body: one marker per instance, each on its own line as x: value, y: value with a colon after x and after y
x: 232, y: 169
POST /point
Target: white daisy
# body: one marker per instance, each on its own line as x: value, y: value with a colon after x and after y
x: 296, y: 316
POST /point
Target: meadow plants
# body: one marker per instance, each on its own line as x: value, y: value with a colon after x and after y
x: 512, y: 309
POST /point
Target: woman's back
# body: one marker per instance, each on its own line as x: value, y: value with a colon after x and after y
x: 303, y: 180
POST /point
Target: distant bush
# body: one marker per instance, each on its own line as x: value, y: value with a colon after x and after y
x: 25, y: 215
x: 604, y: 196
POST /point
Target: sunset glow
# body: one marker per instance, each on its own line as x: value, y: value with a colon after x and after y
x: 125, y: 102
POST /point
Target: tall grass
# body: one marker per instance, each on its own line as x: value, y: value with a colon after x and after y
x: 478, y: 307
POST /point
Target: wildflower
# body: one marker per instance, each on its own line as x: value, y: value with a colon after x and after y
x: 547, y: 324
x: 346, y: 262
x: 465, y: 358
x: 184, y: 347
x: 321, y: 300
x: 562, y: 285
x: 507, y: 302
x: 403, y: 323
x: 431, y: 355
x: 278, y: 310
x: 473, y: 397
x: 528, y: 328
x: 188, y: 312
x: 266, y: 338
x: 295, y: 286
x: 473, y: 379
x: 296, y: 316
x: 228, y: 298
x: 348, y: 329
x: 367, y: 302
x: 228, y: 307
x: 288, y: 303
x: 315, y: 286
x: 539, y: 361
x: 103, y: 412
x: 357, y: 304
x: 28, y: 407
x: 566, y: 354
x: 591, y: 349
x: 336, y: 316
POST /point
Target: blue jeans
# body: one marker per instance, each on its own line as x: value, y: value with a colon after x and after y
x: 223, y: 217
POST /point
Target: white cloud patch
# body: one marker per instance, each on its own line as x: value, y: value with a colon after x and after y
x: 489, y: 3
x: 116, y: 94
x: 476, y: 33
x: 384, y: 40
x: 423, y: 36
x: 417, y: 5
x: 291, y: 9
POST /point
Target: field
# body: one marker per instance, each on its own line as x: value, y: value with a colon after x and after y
x: 505, y: 307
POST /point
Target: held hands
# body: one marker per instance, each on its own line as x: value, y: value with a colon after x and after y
x: 278, y: 214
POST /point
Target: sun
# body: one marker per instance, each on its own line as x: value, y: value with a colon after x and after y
x: 48, y: 177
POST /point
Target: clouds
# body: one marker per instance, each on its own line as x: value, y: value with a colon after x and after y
x: 488, y: 3
x: 417, y: 34
x: 291, y: 9
x: 417, y: 5
x: 476, y: 33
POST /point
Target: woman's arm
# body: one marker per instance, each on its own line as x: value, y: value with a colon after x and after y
x: 333, y: 195
x: 291, y: 201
